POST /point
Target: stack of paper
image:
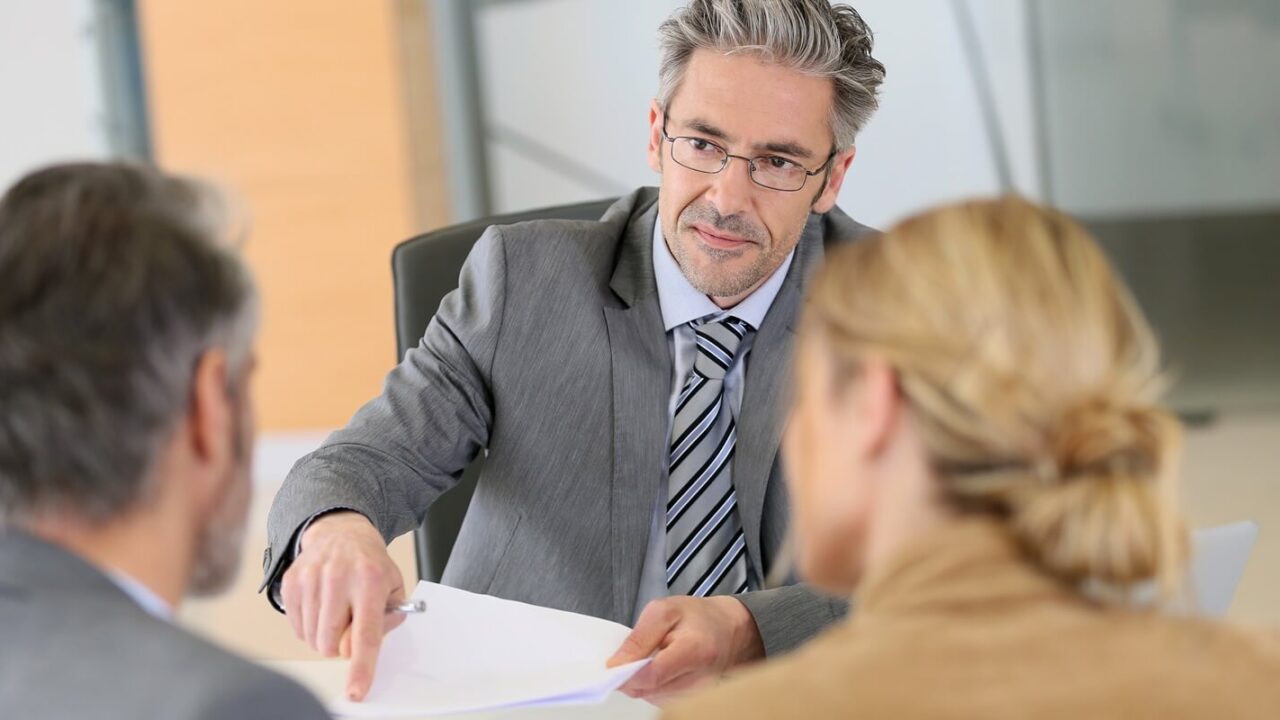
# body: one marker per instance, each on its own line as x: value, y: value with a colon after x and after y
x: 474, y: 652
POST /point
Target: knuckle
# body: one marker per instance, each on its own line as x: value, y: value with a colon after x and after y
x: 391, y: 572
x: 656, y: 611
x: 305, y: 576
x: 648, y: 611
x: 370, y: 573
x: 666, y: 611
x: 704, y: 655
x: 332, y: 583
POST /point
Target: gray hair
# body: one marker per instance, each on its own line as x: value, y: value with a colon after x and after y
x: 811, y: 36
x: 117, y: 279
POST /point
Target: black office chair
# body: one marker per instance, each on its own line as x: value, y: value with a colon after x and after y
x: 424, y: 269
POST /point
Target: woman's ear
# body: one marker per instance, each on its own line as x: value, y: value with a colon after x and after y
x: 874, y: 404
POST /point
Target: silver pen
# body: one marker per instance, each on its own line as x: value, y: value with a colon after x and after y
x: 409, y: 607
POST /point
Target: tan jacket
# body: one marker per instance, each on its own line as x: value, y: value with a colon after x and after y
x: 961, y: 625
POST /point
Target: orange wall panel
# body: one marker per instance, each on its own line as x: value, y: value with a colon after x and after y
x: 298, y: 107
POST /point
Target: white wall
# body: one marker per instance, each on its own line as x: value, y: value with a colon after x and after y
x: 50, y: 89
x: 927, y: 144
x: 1153, y: 106
x: 578, y: 75
x: 1157, y: 106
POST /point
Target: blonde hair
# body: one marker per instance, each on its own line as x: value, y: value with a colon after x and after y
x: 1031, y: 375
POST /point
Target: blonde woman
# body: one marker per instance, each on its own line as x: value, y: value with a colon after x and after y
x: 976, y: 448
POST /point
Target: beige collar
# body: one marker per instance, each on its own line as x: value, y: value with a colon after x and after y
x: 973, y: 561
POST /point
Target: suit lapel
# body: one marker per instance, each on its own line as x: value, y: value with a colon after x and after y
x: 765, y: 393
x: 641, y: 363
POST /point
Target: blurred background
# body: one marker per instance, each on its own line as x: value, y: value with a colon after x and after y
x: 348, y: 126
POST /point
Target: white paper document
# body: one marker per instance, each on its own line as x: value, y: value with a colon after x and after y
x: 475, y: 652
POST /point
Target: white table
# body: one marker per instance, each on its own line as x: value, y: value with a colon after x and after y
x: 327, y: 679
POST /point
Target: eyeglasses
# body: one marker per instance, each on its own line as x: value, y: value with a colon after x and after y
x: 767, y: 171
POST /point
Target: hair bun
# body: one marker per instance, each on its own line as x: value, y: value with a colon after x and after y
x: 1100, y: 515
x: 1101, y: 440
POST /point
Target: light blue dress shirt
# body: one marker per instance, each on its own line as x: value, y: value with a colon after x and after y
x: 681, y: 303
x: 141, y: 594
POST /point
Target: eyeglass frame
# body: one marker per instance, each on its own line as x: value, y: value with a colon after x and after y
x: 751, y: 162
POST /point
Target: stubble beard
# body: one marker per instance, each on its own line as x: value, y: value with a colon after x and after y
x: 221, y: 540
x: 710, y: 270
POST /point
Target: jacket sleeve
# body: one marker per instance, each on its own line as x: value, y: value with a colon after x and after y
x: 411, y: 443
x: 788, y: 616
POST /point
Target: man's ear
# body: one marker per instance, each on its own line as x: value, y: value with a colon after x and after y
x: 655, y: 136
x: 211, y: 413
x: 835, y: 180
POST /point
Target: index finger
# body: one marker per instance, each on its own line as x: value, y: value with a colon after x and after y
x: 366, y: 640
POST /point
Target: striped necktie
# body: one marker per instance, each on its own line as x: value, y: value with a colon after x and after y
x: 706, y: 548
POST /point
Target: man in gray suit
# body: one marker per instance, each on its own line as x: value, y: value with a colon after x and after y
x: 624, y: 378
x: 125, y: 434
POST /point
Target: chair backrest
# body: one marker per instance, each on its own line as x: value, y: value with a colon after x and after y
x: 424, y: 269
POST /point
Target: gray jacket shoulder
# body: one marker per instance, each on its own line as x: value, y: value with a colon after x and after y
x: 584, y: 252
x: 838, y: 228
x: 222, y: 685
x: 250, y: 691
x: 98, y: 655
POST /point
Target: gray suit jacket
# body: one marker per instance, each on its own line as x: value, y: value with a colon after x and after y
x: 551, y: 355
x: 73, y: 645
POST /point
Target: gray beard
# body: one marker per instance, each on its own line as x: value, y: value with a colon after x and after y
x: 715, y: 282
x: 719, y: 284
x: 221, y: 545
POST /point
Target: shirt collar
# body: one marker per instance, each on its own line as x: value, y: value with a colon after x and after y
x: 142, y: 595
x: 681, y: 303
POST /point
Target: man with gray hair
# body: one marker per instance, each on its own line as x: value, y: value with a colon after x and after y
x: 624, y: 378
x: 126, y: 335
